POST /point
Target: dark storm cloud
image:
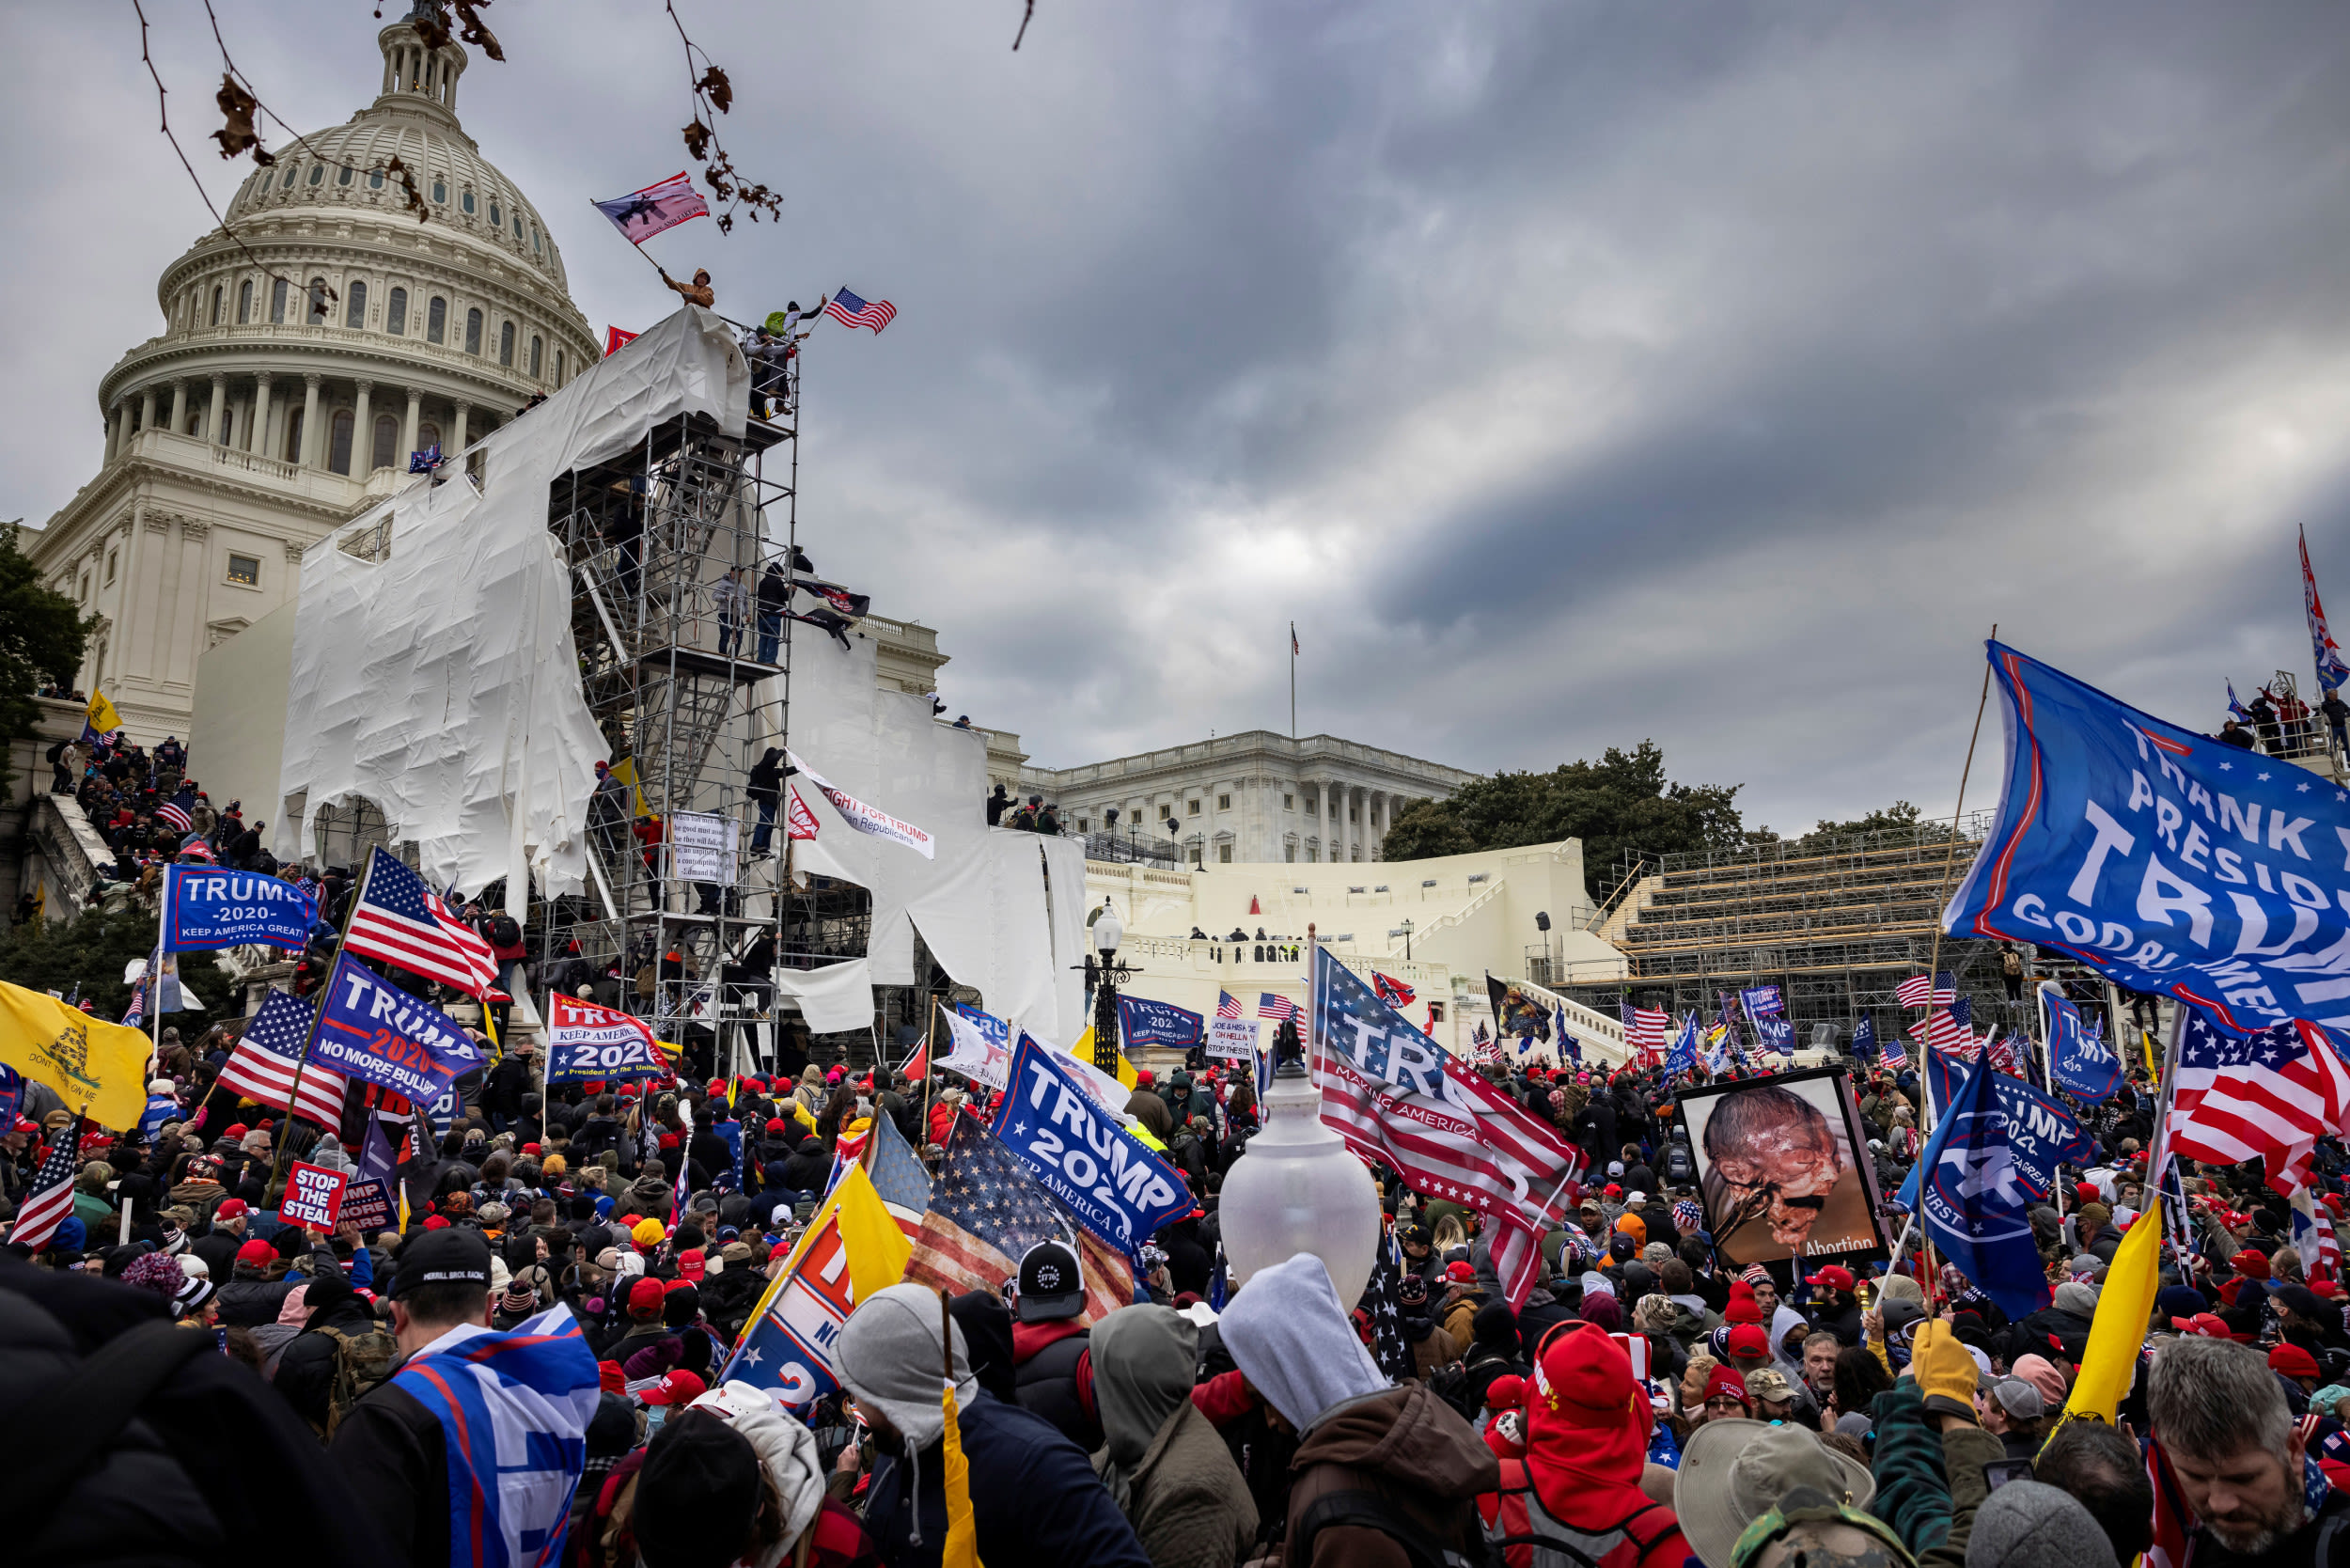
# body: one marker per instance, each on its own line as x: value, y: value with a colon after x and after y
x: 1570, y: 373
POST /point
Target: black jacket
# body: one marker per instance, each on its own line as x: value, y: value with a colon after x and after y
x: 305, y: 1369
x: 1047, y: 1386
x: 774, y: 591
x: 393, y: 1462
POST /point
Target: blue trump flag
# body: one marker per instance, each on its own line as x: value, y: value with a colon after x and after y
x: 207, y: 907
x: 1776, y: 1034
x: 375, y: 1031
x: 1570, y: 1049
x: 1762, y: 1001
x: 1144, y: 1022
x: 2082, y: 1064
x: 2173, y: 863
x: 1683, y: 1057
x: 1864, y: 1037
x: 1105, y: 1176
x: 1972, y: 1204
x: 2042, y: 1132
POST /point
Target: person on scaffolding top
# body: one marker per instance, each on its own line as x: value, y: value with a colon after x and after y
x: 696, y: 292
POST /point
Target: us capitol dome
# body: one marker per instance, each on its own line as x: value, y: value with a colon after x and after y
x: 296, y: 372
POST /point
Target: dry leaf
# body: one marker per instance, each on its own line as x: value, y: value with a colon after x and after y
x: 473, y: 32
x: 431, y: 23
x: 236, y: 134
x: 697, y: 140
x: 720, y: 90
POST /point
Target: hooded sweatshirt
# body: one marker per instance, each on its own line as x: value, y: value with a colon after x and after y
x: 1288, y: 1335
x: 1587, y: 1431
x: 1162, y: 1461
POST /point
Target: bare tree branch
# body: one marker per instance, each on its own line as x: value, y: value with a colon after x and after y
x: 713, y: 95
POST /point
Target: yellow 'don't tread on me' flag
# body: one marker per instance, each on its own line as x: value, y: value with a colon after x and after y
x: 2118, y: 1330
x: 100, y: 713
x: 87, y: 1061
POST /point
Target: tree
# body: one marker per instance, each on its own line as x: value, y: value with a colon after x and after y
x: 1899, y: 817
x: 1622, y: 802
x: 93, y: 952
x: 41, y: 635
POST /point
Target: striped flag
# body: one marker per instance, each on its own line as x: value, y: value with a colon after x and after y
x: 1950, y: 1028
x: 398, y: 920
x: 2272, y: 1094
x: 1644, y: 1027
x: 1280, y: 1009
x: 851, y: 311
x: 1391, y: 991
x: 50, y: 1198
x: 641, y: 214
x: 137, y: 1010
x: 1912, y: 992
x: 179, y: 810
x: 1226, y: 1005
x: 986, y: 1211
x: 263, y: 1066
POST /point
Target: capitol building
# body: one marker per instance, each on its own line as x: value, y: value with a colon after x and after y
x: 294, y: 374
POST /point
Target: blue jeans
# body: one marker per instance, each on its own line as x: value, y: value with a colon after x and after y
x: 766, y: 828
x: 770, y: 634
x: 730, y: 636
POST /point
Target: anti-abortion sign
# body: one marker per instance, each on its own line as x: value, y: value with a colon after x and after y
x: 2173, y: 862
x: 204, y: 907
x: 314, y: 1195
x: 868, y: 819
x: 1233, y: 1039
x: 2041, y: 1134
x: 381, y: 1034
x: 1117, y: 1188
x: 2082, y: 1064
x: 1144, y: 1022
x: 368, y: 1204
x: 585, y: 1043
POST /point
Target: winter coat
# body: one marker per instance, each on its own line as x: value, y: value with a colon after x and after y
x: 1408, y: 1447
x: 1189, y: 1506
x: 305, y: 1369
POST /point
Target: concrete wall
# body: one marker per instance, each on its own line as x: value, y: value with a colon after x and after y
x: 238, y: 734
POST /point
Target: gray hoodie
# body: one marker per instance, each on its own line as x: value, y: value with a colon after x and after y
x: 1291, y: 1341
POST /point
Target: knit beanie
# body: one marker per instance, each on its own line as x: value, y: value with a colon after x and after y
x: 2026, y: 1524
x: 2078, y: 1298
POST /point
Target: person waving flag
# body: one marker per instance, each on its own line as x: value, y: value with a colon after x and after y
x: 50, y: 1202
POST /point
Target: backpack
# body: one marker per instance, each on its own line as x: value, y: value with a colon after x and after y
x: 1365, y: 1509
x: 1452, y: 1385
x: 1681, y: 1167
x: 1524, y: 1534
x: 361, y: 1362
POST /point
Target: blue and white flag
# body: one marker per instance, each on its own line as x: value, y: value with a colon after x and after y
x: 1971, y: 1200
x: 1570, y: 1049
x: 207, y: 907
x: 1144, y: 1022
x: 159, y: 1109
x: 2082, y: 1064
x: 1864, y: 1038
x: 1107, y: 1178
x: 514, y: 1409
x: 1762, y: 1001
x: 2237, y: 711
x: 376, y: 1032
x: 2040, y: 1132
x: 1776, y: 1034
x: 1683, y: 1057
x: 2173, y: 863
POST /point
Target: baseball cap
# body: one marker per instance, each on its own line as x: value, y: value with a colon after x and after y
x: 1747, y: 1339
x: 1460, y: 1272
x: 456, y: 1255
x: 2290, y: 1361
x: 1051, y: 1284
x: 2019, y: 1398
x: 677, y: 1387
x: 2209, y: 1324
x: 1836, y: 1277
x: 1768, y: 1383
x: 230, y: 1208
x: 258, y: 1252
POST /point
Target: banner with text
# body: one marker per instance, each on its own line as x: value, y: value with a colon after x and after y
x: 377, y: 1033
x: 868, y: 819
x: 1233, y: 1039
x: 1144, y: 1022
x: 586, y: 1043
x: 314, y: 1196
x: 206, y: 907
x: 1115, y: 1186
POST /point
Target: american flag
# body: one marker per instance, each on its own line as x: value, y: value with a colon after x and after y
x: 179, y: 810
x: 2008, y: 1055
x: 1644, y: 1027
x: 1382, y: 1308
x: 1949, y: 1029
x: 986, y: 1211
x: 849, y: 310
x: 897, y: 1175
x: 1391, y: 991
x: 194, y: 846
x: 1226, y: 1005
x: 51, y: 1197
x: 1912, y: 992
x: 137, y: 1010
x: 1477, y: 1147
x: 261, y: 1068
x: 1890, y: 1051
x: 2272, y: 1094
x: 398, y: 920
x: 1279, y: 1008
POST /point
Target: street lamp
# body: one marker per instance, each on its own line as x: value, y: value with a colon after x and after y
x: 1407, y: 940
x: 1107, y: 929
x: 1298, y: 1189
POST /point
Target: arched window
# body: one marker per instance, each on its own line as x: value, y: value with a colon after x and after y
x: 396, y: 313
x: 244, y: 302
x: 538, y: 347
x: 355, y: 314
x: 215, y: 304
x: 318, y: 173
x: 227, y: 424
x: 375, y: 179
x: 318, y: 301
x: 536, y: 248
x: 286, y: 184
x: 506, y: 345
x: 466, y: 201
x: 428, y: 436
x: 558, y: 367
x: 277, y: 301
x: 440, y: 191
x: 436, y: 320
x: 494, y: 218
x: 473, y: 331
x: 338, y: 432
x: 386, y: 442
x: 344, y: 177
x: 518, y: 226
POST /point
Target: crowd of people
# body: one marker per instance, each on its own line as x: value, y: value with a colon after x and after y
x: 1644, y: 1403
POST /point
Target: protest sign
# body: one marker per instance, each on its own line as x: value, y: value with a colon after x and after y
x: 702, y: 847
x: 866, y: 818
x: 368, y: 1204
x: 1145, y: 1021
x: 585, y: 1041
x: 1782, y: 1169
x: 314, y: 1196
x: 375, y: 1032
x: 1233, y: 1039
x: 1113, y: 1185
x: 207, y: 907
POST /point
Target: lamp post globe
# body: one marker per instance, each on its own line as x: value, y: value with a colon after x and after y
x: 1298, y: 1189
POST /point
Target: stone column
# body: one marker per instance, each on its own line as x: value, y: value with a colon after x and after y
x: 179, y: 408
x: 259, y: 444
x: 362, y: 435
x: 457, y: 427
x: 114, y: 427
x: 311, y: 445
x: 220, y: 406
x: 408, y: 432
x: 147, y: 408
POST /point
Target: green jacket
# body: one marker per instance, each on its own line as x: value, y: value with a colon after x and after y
x: 1928, y: 1482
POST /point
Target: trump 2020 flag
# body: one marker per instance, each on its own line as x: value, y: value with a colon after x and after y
x: 207, y: 907
x: 641, y: 214
x: 2173, y: 863
x: 852, y: 1248
x: 378, y: 1033
x: 1968, y: 1195
x: 2083, y: 1065
x: 1762, y: 1001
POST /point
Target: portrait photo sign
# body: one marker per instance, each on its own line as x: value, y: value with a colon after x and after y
x: 1782, y: 1169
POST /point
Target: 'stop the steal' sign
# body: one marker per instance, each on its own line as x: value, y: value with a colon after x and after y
x: 382, y: 1035
x: 314, y: 1196
x: 1115, y: 1185
x: 206, y: 907
x: 2174, y: 863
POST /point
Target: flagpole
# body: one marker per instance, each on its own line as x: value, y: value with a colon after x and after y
x: 1293, y: 679
x: 154, y: 983
x: 1950, y: 860
x: 318, y: 1012
x: 2166, y: 1093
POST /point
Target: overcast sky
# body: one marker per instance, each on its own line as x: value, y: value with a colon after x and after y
x: 1570, y: 373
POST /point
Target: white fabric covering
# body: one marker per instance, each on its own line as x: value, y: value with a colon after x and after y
x: 442, y: 684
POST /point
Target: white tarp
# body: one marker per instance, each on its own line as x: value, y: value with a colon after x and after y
x: 982, y: 904
x: 442, y: 682
x: 835, y: 999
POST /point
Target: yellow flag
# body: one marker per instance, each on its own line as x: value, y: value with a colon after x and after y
x: 869, y: 1239
x: 2118, y: 1330
x: 100, y: 713
x: 625, y: 771
x: 87, y: 1061
x: 961, y: 1548
x: 1083, y: 1051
